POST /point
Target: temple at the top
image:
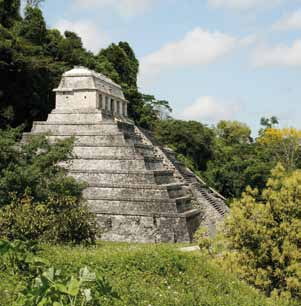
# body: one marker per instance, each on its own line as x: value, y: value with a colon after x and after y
x: 81, y: 88
x: 136, y: 188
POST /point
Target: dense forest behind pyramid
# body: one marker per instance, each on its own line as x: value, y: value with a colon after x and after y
x: 34, y: 57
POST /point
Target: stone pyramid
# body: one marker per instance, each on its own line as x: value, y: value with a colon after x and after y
x: 134, y: 195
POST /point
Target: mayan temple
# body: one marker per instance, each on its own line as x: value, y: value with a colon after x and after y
x: 137, y: 189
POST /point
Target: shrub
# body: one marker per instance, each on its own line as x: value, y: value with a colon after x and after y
x: 261, y: 239
x: 37, y: 198
x: 56, y: 220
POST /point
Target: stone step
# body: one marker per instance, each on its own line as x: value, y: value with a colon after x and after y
x: 153, y: 163
x: 183, y: 203
x: 94, y: 152
x: 132, y: 193
x: 121, y: 176
x: 113, y: 206
x: 127, y: 206
x: 126, y: 127
x: 144, y: 206
x: 164, y: 176
x: 81, y: 110
x: 94, y: 140
x: 175, y: 190
x: 114, y: 177
x: 105, y: 163
x: 171, y: 191
x: 75, y: 117
x: 191, y: 213
x: 145, y: 150
x: 64, y: 128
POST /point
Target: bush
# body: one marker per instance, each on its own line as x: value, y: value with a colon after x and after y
x: 261, y: 239
x: 55, y: 220
x: 37, y: 198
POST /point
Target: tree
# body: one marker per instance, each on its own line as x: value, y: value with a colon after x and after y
x: 37, y: 200
x: 124, y: 62
x: 33, y: 26
x: 233, y: 132
x: 263, y: 234
x: 234, y: 167
x: 283, y: 145
x: 9, y: 12
x: 34, y: 3
x: 189, y: 138
x: 152, y: 110
x: 237, y: 160
x: 34, y: 166
x: 268, y: 123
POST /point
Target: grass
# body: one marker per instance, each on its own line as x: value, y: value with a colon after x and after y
x: 146, y: 274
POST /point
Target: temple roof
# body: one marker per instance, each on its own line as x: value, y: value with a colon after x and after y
x: 80, y: 71
x: 82, y: 78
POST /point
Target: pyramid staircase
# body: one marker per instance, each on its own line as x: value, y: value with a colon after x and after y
x: 211, y: 203
x: 134, y: 195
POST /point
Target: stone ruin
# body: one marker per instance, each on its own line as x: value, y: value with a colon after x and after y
x: 137, y: 189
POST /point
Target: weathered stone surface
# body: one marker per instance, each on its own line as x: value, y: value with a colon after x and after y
x: 134, y: 195
x: 208, y: 200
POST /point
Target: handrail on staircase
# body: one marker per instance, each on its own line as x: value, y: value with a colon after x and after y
x: 210, y: 188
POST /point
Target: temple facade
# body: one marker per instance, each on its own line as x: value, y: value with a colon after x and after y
x: 81, y: 88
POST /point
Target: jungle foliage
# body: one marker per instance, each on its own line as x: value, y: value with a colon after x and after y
x: 33, y: 58
x: 37, y: 200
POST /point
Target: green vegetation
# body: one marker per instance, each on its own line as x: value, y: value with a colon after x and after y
x: 260, y: 240
x: 191, y: 139
x: 124, y: 274
x: 37, y: 199
x: 32, y: 59
x: 238, y: 160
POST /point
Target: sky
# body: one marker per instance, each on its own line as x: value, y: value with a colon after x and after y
x: 211, y: 59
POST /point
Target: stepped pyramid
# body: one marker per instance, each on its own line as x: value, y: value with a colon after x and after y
x: 135, y: 195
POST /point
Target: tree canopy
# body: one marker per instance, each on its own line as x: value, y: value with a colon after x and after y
x: 33, y: 58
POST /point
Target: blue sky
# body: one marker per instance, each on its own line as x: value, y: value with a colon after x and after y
x: 212, y: 59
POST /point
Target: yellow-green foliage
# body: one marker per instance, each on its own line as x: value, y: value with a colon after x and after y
x: 262, y: 236
x: 284, y: 145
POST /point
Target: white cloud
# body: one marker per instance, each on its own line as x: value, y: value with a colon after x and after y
x: 93, y: 38
x: 290, y: 22
x: 278, y: 56
x: 242, y: 4
x: 210, y: 109
x: 197, y: 47
x: 125, y: 8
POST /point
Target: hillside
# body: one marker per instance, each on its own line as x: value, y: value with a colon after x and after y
x: 135, y: 274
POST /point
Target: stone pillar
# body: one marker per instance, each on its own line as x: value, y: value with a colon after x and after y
x: 118, y: 108
x: 109, y: 105
x: 122, y: 108
x: 125, y: 108
x: 115, y: 107
x: 103, y: 101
